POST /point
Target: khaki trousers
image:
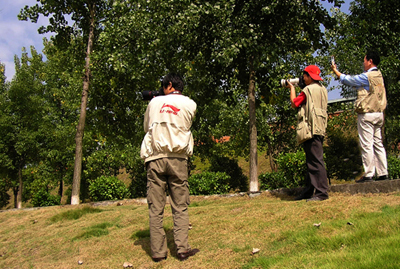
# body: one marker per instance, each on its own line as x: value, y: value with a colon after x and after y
x: 171, y: 173
x: 372, y: 151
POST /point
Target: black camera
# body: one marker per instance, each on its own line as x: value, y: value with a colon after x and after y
x: 148, y: 95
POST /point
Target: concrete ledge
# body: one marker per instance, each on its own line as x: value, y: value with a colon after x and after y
x: 383, y: 186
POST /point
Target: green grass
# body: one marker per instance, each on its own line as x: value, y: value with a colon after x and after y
x: 74, y: 214
x: 359, y: 231
x: 372, y: 242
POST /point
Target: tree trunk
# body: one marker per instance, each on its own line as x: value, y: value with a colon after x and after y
x: 253, y: 133
x: 272, y: 162
x: 82, y: 117
x: 15, y: 192
x: 20, y: 188
x: 61, y: 190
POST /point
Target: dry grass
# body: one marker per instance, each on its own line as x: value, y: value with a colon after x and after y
x: 225, y: 229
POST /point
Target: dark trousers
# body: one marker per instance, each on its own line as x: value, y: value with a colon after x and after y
x: 316, y: 178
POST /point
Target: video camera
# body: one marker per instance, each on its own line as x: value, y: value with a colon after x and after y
x: 148, y: 95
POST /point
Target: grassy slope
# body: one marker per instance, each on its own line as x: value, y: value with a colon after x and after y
x: 225, y: 229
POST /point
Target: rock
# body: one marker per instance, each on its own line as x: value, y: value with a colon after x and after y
x: 127, y: 264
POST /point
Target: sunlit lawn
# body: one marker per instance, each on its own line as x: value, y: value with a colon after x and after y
x: 346, y: 231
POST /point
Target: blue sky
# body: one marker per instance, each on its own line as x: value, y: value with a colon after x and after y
x: 15, y: 34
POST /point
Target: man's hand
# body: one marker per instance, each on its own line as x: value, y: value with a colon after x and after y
x: 334, y: 69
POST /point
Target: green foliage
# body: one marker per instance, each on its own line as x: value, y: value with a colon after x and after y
x: 22, y: 118
x: 137, y: 173
x: 75, y: 214
x: 392, y: 131
x: 103, y: 162
x: 238, y: 181
x: 293, y: 165
x: 342, y: 153
x: 393, y: 166
x: 138, y: 186
x: 44, y: 198
x: 273, y: 180
x: 291, y: 172
x: 107, y: 188
x: 207, y: 183
x: 5, y: 185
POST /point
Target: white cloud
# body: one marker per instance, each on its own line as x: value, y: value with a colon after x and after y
x: 16, y: 34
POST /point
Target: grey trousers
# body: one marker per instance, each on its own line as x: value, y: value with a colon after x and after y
x: 372, y: 151
x: 171, y: 173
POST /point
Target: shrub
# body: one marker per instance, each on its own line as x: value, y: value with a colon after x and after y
x: 107, y: 188
x: 138, y: 186
x: 342, y: 153
x: 207, y: 183
x: 291, y: 172
x: 138, y: 176
x: 44, y: 198
x: 273, y: 180
x: 238, y: 181
x: 393, y: 166
x: 293, y: 166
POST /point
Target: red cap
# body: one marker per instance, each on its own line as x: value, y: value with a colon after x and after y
x: 313, y: 71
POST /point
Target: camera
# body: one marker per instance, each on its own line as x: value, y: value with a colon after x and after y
x: 295, y: 81
x: 148, y: 95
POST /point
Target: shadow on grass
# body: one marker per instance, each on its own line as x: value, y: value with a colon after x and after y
x: 286, y: 194
x: 142, y: 238
x: 97, y: 230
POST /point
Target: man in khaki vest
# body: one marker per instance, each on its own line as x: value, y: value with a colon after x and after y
x: 370, y: 104
x: 312, y: 117
x: 165, y: 149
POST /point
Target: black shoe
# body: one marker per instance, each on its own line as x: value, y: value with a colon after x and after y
x: 184, y: 255
x: 315, y: 199
x: 384, y: 177
x: 364, y: 179
x: 159, y: 259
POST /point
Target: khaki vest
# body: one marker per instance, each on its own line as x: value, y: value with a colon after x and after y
x: 315, y: 108
x: 373, y: 100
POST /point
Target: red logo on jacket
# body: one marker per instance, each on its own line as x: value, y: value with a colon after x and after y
x: 172, y: 109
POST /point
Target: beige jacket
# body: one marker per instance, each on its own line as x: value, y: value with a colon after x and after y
x: 167, y: 123
x: 314, y: 111
x: 373, y: 100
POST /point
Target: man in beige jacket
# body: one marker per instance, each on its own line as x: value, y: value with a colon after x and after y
x: 165, y: 148
x: 370, y: 104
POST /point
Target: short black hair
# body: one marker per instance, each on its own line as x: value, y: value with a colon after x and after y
x: 371, y: 54
x: 175, y: 79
